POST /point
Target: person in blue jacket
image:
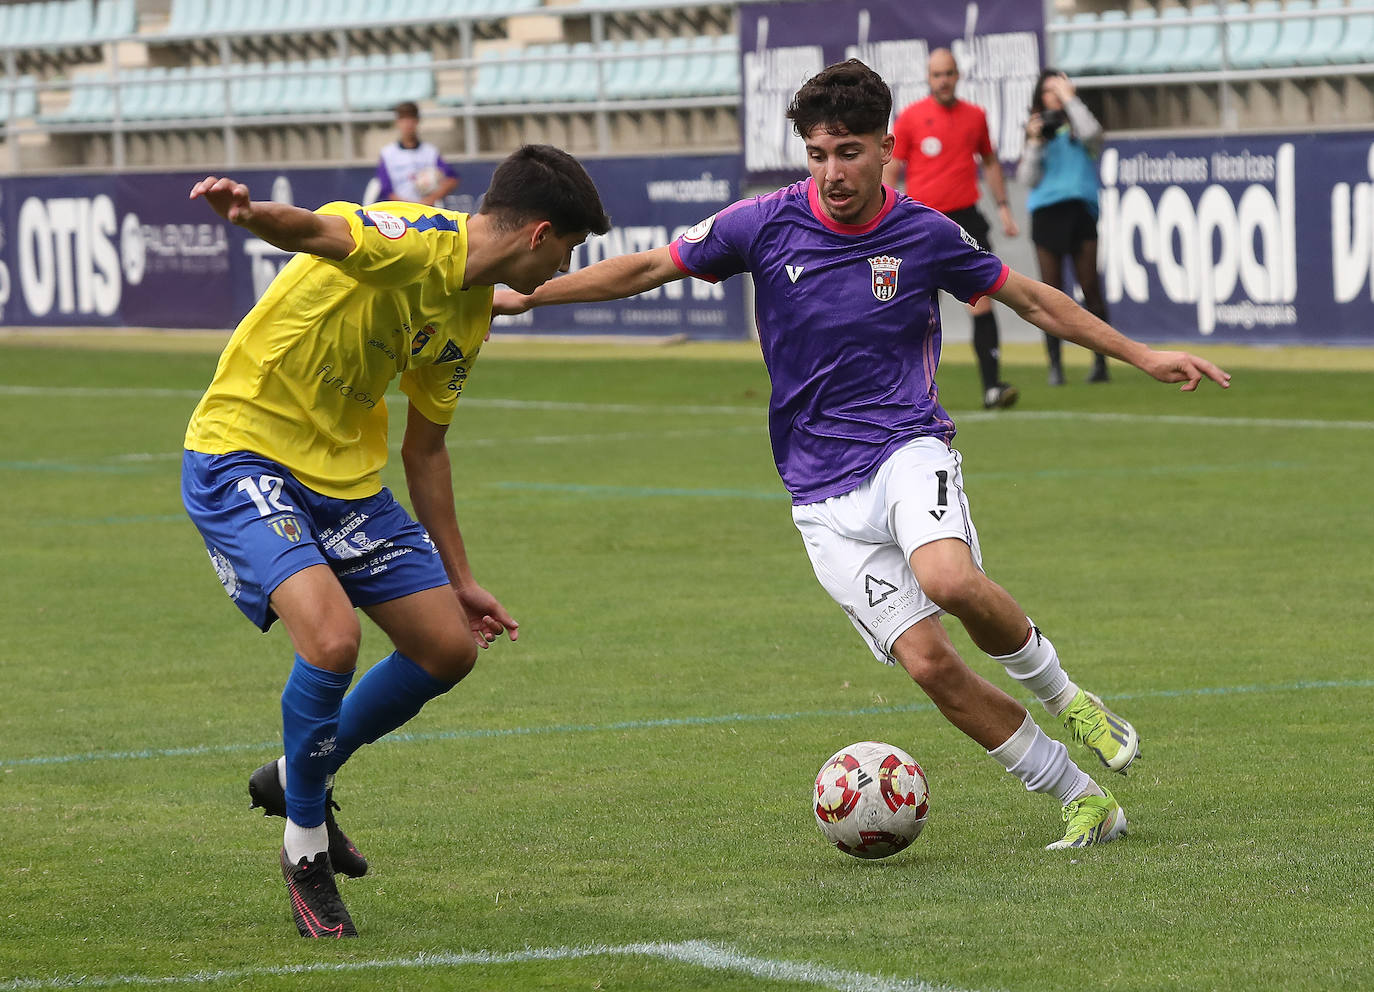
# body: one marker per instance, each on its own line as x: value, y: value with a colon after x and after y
x: 1063, y: 141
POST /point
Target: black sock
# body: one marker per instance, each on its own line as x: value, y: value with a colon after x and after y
x: 985, y: 347
x: 1053, y: 347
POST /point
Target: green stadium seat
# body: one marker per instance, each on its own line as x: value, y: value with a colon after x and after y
x: 1325, y: 38
x: 623, y: 74
x: 114, y: 19
x: 1110, y: 43
x: 1236, y: 32
x: 1170, y: 41
x: 1260, y: 39
x: 1357, y: 41
x: 1294, y: 35
x: 1142, y: 35
x: 580, y: 86
x: 188, y: 16
x: 723, y: 75
x: 1201, y: 49
x: 21, y: 102
x: 1074, y: 49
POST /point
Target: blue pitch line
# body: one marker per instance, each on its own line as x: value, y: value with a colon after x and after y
x: 476, y: 733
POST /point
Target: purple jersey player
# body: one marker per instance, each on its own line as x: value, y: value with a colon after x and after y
x: 846, y: 273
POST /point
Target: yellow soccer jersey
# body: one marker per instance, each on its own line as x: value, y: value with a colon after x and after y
x: 302, y: 380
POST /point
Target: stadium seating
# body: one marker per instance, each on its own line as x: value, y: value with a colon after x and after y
x: 1180, y: 39
x: 1357, y: 41
x: 650, y: 69
x: 1201, y: 48
x: 1073, y: 50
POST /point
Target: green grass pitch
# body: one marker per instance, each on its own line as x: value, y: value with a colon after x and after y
x: 619, y: 801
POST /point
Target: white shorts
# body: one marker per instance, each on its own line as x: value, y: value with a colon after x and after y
x: 861, y: 543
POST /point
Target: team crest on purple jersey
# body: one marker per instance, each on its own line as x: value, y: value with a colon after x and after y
x: 884, y: 276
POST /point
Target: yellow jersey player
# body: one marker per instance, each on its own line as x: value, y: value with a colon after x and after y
x: 281, y: 472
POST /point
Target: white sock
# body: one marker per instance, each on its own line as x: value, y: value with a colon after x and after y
x: 1036, y: 666
x: 304, y: 842
x: 281, y: 775
x: 1043, y: 763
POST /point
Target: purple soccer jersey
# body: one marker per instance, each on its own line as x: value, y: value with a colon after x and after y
x: 849, y: 323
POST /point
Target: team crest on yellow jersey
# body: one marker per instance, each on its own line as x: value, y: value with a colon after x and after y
x: 421, y: 338
x: 885, y: 276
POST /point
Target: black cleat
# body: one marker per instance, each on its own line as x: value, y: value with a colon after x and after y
x: 1000, y: 397
x: 1099, y: 372
x: 315, y: 899
x: 264, y: 788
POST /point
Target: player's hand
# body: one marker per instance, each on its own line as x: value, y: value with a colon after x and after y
x: 1062, y: 88
x: 1008, y: 221
x: 486, y: 616
x: 1179, y: 366
x: 1035, y: 129
x: 508, y: 303
x: 227, y: 198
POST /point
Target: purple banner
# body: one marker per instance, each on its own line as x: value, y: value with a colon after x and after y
x: 132, y: 250
x: 997, y: 44
x: 1254, y: 239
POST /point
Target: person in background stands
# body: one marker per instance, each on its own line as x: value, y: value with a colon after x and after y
x: 939, y: 142
x: 412, y: 169
x: 1063, y: 141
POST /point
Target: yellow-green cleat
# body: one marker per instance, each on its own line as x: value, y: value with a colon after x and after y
x: 1092, y: 820
x: 1093, y: 725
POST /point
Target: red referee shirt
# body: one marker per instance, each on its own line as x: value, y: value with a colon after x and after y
x: 941, y: 147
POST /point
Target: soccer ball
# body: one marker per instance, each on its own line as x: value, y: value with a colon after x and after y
x: 871, y: 799
x: 427, y: 180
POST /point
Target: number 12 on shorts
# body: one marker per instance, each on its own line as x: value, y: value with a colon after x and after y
x: 265, y: 493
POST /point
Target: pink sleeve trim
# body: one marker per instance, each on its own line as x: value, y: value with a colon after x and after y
x: 677, y: 260
x: 1001, y: 281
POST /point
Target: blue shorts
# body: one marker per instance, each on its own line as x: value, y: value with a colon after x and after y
x: 261, y: 526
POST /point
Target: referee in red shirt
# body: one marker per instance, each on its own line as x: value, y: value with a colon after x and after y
x: 940, y: 141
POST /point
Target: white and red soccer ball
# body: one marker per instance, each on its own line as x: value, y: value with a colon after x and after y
x: 871, y: 799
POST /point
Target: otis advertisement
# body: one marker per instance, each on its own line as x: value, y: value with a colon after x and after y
x: 132, y: 250
x: 1265, y: 239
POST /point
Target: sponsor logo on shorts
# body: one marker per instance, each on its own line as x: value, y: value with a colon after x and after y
x: 877, y: 589
x: 224, y: 571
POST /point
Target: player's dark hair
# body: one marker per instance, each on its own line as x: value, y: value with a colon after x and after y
x: 847, y: 95
x: 540, y: 182
x: 406, y: 109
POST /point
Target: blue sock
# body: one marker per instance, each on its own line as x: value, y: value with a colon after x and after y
x: 392, y: 691
x: 310, y: 724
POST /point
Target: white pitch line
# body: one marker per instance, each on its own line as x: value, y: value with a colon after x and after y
x: 500, y: 442
x: 703, y: 954
x: 967, y: 416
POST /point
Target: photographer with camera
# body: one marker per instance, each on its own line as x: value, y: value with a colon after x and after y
x: 1063, y: 141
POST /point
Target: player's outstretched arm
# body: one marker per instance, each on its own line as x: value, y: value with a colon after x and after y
x: 613, y: 279
x: 429, y: 480
x: 1053, y: 312
x: 289, y: 228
